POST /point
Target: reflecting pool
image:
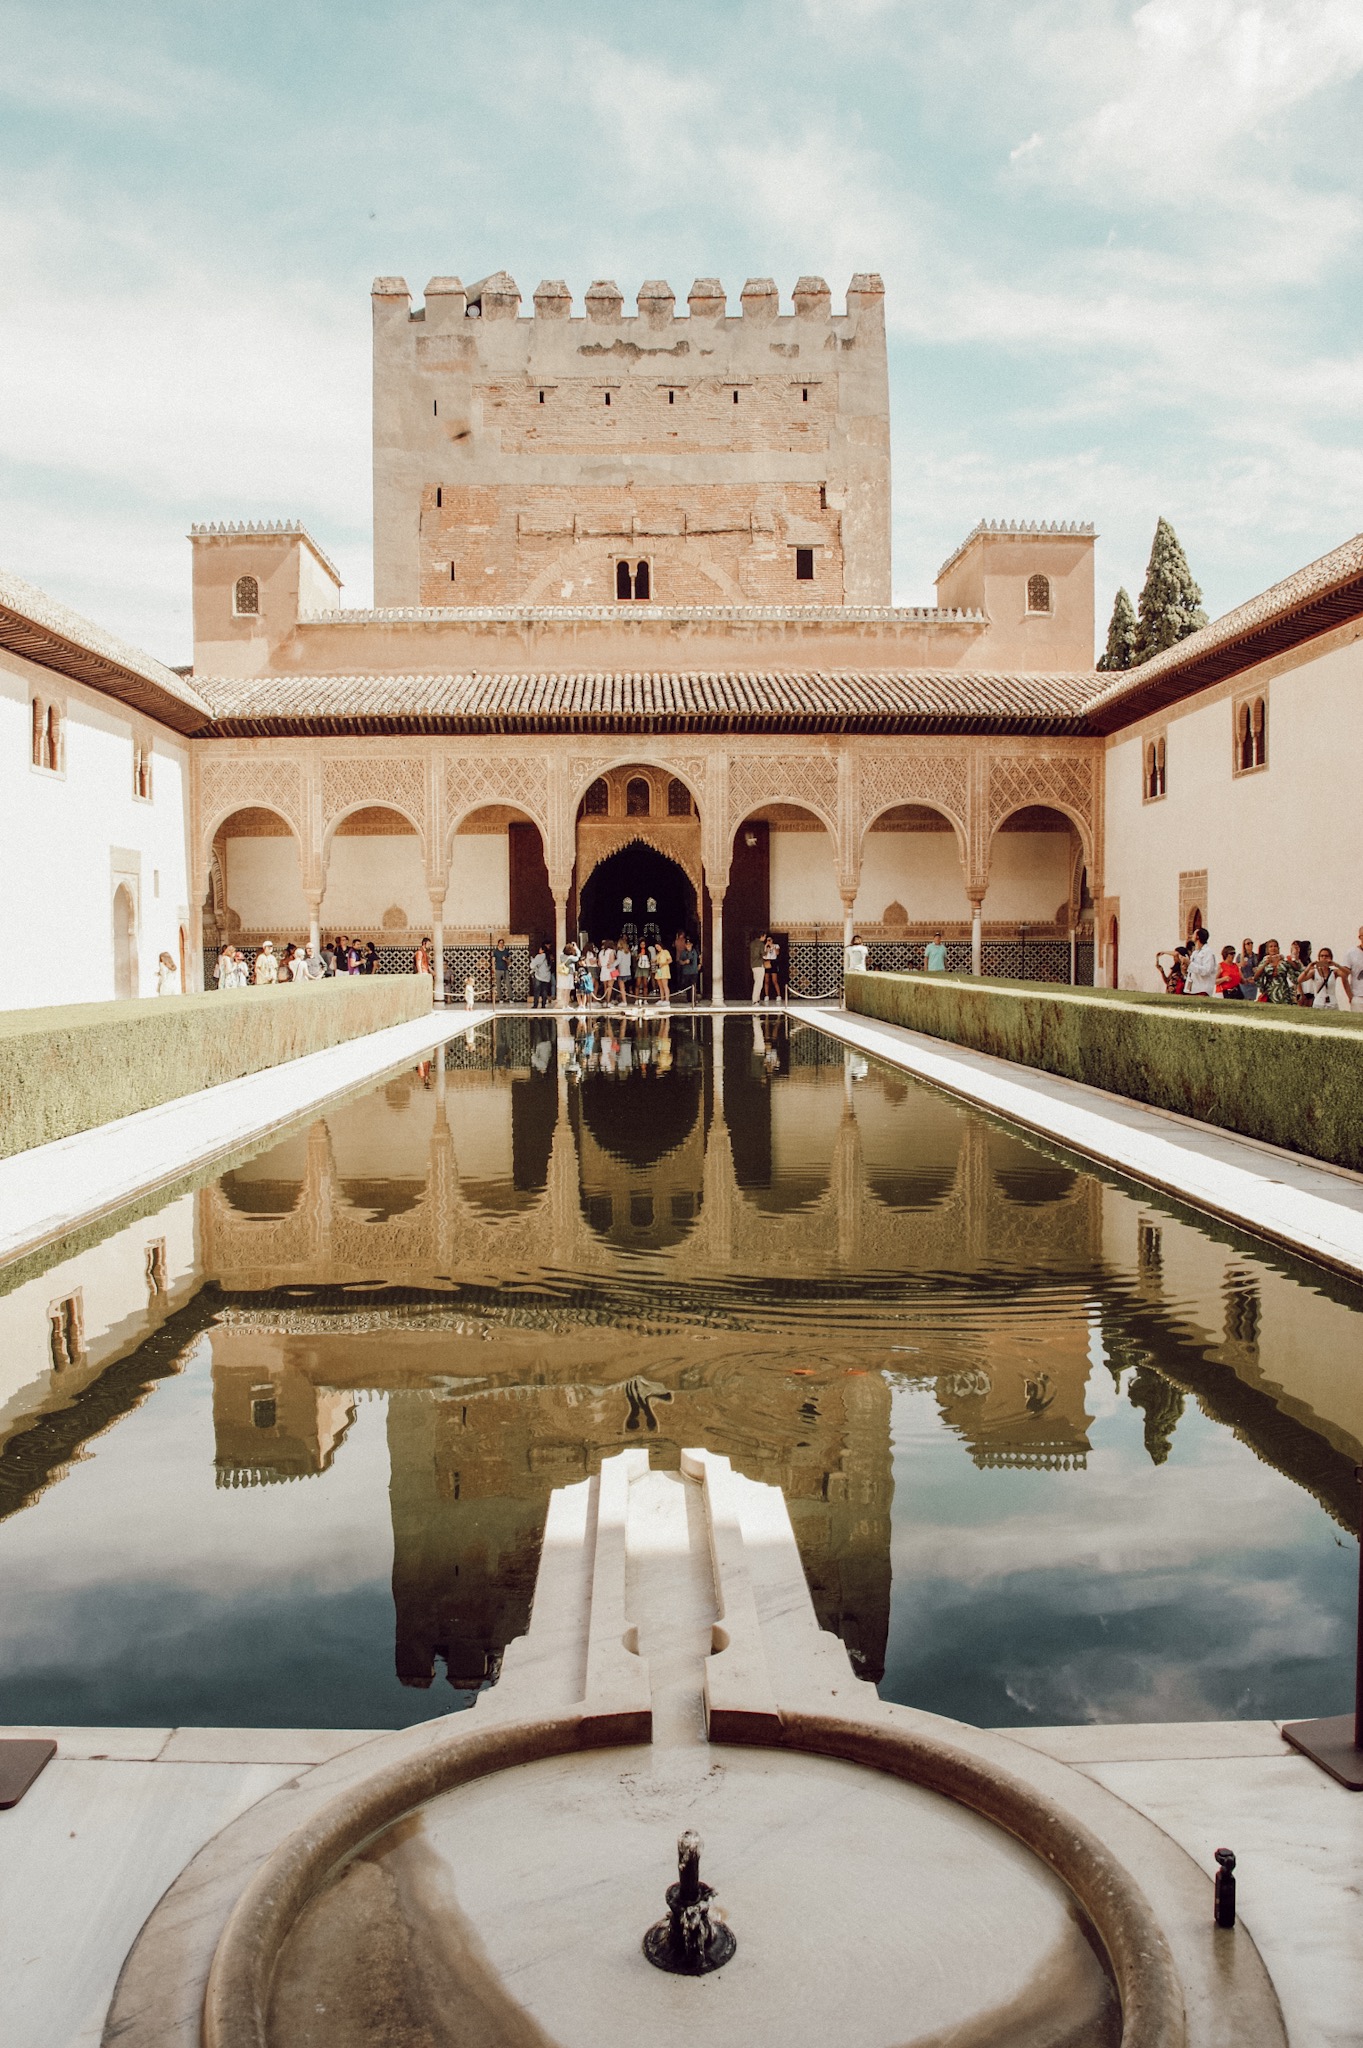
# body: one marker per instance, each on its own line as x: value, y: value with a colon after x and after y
x: 1054, y: 1449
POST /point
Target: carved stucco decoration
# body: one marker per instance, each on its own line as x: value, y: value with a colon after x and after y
x: 1065, y: 781
x: 375, y: 779
x: 521, y: 780
x: 941, y: 781
x: 757, y: 779
x: 677, y: 839
x: 246, y: 781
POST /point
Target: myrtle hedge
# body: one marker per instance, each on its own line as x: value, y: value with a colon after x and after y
x: 1291, y: 1077
x: 68, y: 1069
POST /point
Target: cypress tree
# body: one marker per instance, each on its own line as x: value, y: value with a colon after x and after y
x: 1171, y: 603
x: 1121, y: 634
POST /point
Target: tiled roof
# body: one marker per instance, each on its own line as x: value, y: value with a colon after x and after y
x: 900, y: 700
x: 48, y: 633
x: 1312, y: 601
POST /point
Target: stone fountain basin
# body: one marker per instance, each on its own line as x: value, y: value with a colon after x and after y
x: 869, y: 1912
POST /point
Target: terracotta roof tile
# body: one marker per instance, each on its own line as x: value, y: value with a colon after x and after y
x: 42, y: 630
x: 900, y: 700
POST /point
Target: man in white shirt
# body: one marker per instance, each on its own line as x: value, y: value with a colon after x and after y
x: 1353, y: 961
x: 1202, y: 967
x: 855, y: 960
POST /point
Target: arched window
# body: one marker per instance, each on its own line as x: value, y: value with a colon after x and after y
x: 39, y: 733
x: 1154, y: 769
x: 1251, y: 734
x: 678, y: 799
x: 54, y: 736
x: 633, y: 580
x: 638, y: 797
x: 596, y: 802
x: 1038, y: 593
x: 142, y: 770
x: 246, y: 598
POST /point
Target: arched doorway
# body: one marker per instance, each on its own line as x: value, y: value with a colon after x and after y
x: 255, y: 886
x: 638, y: 875
x: 1035, y: 895
x: 125, y: 941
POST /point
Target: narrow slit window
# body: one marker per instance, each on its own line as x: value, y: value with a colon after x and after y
x: 641, y: 580
x: 608, y: 398
x: 541, y: 398
x: 671, y: 397
x: 823, y: 497
x: 54, y: 736
x: 804, y: 395
x: 451, y: 572
x: 1259, y: 733
x: 39, y: 733
x: 804, y: 565
x: 439, y: 497
x: 735, y: 398
x: 435, y: 408
x: 624, y: 586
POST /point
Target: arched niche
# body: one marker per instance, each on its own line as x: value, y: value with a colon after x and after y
x: 499, y: 877
x: 1036, y: 868
x: 912, y: 871
x: 255, y: 881
x: 375, y: 876
x: 125, y: 941
x: 783, y: 879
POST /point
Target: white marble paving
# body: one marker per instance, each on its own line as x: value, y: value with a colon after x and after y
x: 1298, y: 1841
x: 83, y: 1859
x: 51, y: 1189
x: 1309, y: 1207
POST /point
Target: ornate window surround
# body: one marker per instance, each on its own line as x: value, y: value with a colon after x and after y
x: 1248, y: 733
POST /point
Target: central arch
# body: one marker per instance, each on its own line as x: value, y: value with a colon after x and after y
x: 638, y: 874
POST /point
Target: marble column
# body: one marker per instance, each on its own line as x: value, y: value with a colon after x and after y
x: 976, y: 934
x: 716, y: 945
x: 314, y: 897
x: 438, y: 944
x: 560, y: 942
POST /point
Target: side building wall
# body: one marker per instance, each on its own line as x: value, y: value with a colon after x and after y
x: 97, y: 876
x: 1269, y: 852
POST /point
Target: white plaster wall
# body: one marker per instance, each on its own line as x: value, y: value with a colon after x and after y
x: 921, y: 870
x: 264, y: 879
x: 1283, y: 847
x: 57, y: 833
x: 1029, y: 875
x: 480, y: 880
x: 804, y: 880
x: 370, y: 873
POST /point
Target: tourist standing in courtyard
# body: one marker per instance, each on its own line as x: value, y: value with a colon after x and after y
x: 687, y: 962
x: 662, y: 973
x: 541, y: 976
x: 267, y: 966
x: 935, y: 955
x: 1249, y: 971
x: 1276, y: 978
x: 756, y: 951
x: 1202, y: 966
x: 167, y: 976
x: 771, y: 980
x: 1228, y: 976
x: 1326, y: 983
x: 854, y: 960
x: 501, y: 970
x: 1353, y: 961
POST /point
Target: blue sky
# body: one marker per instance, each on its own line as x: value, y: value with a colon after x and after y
x: 1121, y: 247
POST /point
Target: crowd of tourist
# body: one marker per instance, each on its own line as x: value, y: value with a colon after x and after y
x: 1265, y: 974
x: 304, y: 963
x: 629, y: 969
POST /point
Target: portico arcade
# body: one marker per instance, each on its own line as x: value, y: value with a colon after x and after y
x: 811, y: 833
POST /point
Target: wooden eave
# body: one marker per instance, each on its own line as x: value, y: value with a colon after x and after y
x: 49, y: 649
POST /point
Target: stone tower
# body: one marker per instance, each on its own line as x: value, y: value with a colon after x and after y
x: 606, y: 458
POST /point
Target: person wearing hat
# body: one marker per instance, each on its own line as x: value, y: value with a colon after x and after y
x: 267, y: 966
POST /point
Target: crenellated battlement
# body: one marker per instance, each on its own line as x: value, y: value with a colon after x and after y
x: 499, y: 298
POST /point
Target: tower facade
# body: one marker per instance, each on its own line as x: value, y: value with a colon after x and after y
x: 604, y: 458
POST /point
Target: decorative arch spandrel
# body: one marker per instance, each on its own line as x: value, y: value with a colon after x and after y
x: 248, y: 782
x: 939, y: 782
x: 520, y: 780
x: 810, y: 780
x: 359, y: 780
x: 1062, y: 782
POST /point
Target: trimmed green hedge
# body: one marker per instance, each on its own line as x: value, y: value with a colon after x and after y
x: 1292, y: 1077
x: 68, y: 1069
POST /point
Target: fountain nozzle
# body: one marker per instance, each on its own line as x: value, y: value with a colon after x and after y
x: 690, y: 1942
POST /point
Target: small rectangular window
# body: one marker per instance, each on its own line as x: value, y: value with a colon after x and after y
x: 608, y: 398
x: 804, y: 565
x: 735, y: 398
x: 451, y: 572
x: 823, y: 497
x: 435, y: 407
x: 804, y: 395
x: 439, y: 497
x: 541, y: 398
x: 671, y: 397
